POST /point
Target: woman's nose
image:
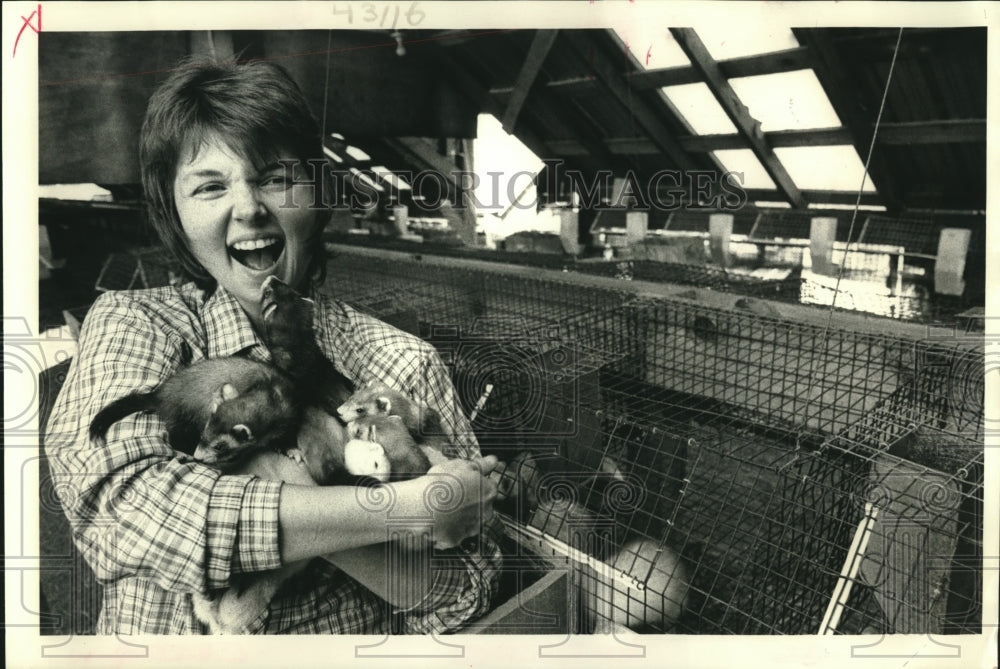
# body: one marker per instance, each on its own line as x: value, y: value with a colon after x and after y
x: 247, y: 205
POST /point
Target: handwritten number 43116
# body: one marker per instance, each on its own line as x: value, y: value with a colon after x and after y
x: 384, y: 15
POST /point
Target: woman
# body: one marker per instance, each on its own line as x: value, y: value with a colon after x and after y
x: 156, y: 526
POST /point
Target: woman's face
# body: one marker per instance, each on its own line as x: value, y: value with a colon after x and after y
x: 245, y: 222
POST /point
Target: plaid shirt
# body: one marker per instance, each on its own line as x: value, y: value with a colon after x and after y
x: 155, y: 525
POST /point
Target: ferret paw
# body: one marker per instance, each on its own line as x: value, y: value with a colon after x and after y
x: 206, y: 610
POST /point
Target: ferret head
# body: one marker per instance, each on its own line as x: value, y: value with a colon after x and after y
x: 374, y: 400
x: 367, y: 458
x: 282, y: 307
x: 239, y: 424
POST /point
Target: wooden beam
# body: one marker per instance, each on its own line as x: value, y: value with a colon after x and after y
x: 540, y: 46
x: 788, y: 60
x: 840, y: 90
x: 891, y: 134
x: 819, y: 197
x: 748, y: 127
x: 962, y: 131
x: 423, y: 152
x: 644, y: 114
x: 480, y: 95
x: 778, y: 139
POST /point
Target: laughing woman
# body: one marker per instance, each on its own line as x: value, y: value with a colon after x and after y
x: 157, y: 526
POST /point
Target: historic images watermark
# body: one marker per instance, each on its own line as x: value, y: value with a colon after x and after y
x: 664, y: 190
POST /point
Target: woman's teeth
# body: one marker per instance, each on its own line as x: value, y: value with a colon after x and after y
x: 257, y: 254
x: 252, y: 244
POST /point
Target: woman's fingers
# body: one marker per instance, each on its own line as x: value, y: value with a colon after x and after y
x: 486, y: 464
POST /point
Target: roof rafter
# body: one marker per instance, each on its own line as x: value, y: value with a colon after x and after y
x: 540, y: 46
x: 748, y: 127
x: 964, y: 131
x: 775, y: 62
x: 613, y: 80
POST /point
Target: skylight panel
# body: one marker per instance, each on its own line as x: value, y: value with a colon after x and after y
x: 733, y: 40
x: 847, y: 207
x: 786, y: 101
x: 744, y: 160
x: 88, y: 192
x: 824, y: 167
x: 505, y: 167
x: 390, y: 177
x: 358, y: 174
x: 696, y: 104
x: 653, y: 47
x: 357, y: 154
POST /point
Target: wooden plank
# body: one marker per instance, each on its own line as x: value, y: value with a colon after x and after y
x: 540, y: 46
x: 819, y: 197
x: 788, y: 60
x: 916, y: 133
x: 541, y: 608
x: 749, y: 128
x: 959, y: 131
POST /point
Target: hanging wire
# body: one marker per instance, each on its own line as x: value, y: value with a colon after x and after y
x: 854, y: 215
x: 326, y: 85
x: 864, y: 178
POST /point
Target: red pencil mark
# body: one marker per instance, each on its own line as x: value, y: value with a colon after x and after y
x: 649, y: 52
x: 27, y: 24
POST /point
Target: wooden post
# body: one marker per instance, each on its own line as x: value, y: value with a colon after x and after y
x: 401, y: 218
x: 569, y: 231
x: 822, y: 233
x: 953, y: 246
x: 720, y: 229
x: 636, y: 226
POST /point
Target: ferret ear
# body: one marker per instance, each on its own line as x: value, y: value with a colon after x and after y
x: 229, y: 392
x: 242, y: 433
x: 383, y: 404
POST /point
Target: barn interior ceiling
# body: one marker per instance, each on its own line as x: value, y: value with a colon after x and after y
x: 795, y: 115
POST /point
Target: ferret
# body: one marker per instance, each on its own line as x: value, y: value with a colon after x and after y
x: 226, y: 407
x: 614, y: 606
x: 288, y: 331
x: 382, y: 448
x: 378, y: 399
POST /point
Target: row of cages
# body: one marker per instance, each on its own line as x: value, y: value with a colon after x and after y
x: 706, y: 470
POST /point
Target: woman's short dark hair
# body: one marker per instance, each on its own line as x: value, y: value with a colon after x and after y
x: 255, y: 106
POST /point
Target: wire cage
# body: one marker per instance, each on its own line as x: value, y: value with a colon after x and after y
x: 709, y: 470
x: 916, y: 235
x: 147, y: 267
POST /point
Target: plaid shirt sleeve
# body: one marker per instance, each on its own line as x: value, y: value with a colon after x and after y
x: 465, y: 578
x: 134, y: 507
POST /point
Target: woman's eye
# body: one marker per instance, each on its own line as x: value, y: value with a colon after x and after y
x: 275, y: 182
x: 209, y: 189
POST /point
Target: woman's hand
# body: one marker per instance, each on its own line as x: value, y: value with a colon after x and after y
x: 451, y: 502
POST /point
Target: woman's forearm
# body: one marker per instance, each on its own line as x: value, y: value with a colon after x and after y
x: 316, y: 520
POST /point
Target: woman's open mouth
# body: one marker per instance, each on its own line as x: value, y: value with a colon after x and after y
x: 257, y: 254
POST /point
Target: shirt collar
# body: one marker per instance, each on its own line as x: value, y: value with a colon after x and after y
x: 228, y: 329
